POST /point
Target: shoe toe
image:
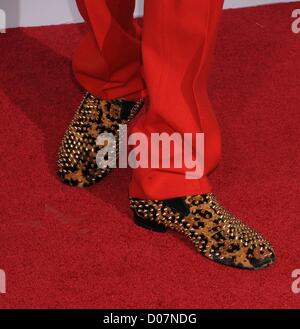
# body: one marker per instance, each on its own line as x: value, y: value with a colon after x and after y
x: 266, y: 260
x: 251, y: 260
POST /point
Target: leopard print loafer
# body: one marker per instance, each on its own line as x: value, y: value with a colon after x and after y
x: 213, y: 230
x: 77, y: 156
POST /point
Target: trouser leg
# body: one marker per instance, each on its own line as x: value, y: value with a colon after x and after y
x: 108, y: 61
x: 177, y: 45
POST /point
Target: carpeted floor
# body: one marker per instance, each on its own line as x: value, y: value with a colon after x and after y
x: 65, y: 247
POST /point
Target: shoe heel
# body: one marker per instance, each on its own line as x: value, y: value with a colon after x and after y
x: 149, y: 224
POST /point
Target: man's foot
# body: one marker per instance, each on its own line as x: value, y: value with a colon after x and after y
x: 213, y: 230
x: 77, y: 156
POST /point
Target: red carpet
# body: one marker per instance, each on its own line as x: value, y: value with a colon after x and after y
x: 64, y: 247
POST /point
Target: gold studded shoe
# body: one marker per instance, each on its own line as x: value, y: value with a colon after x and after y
x: 213, y: 230
x: 77, y: 156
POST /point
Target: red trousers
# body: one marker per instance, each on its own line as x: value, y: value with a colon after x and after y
x: 168, y: 61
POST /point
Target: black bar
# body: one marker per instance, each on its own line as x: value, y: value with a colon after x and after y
x: 138, y: 318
